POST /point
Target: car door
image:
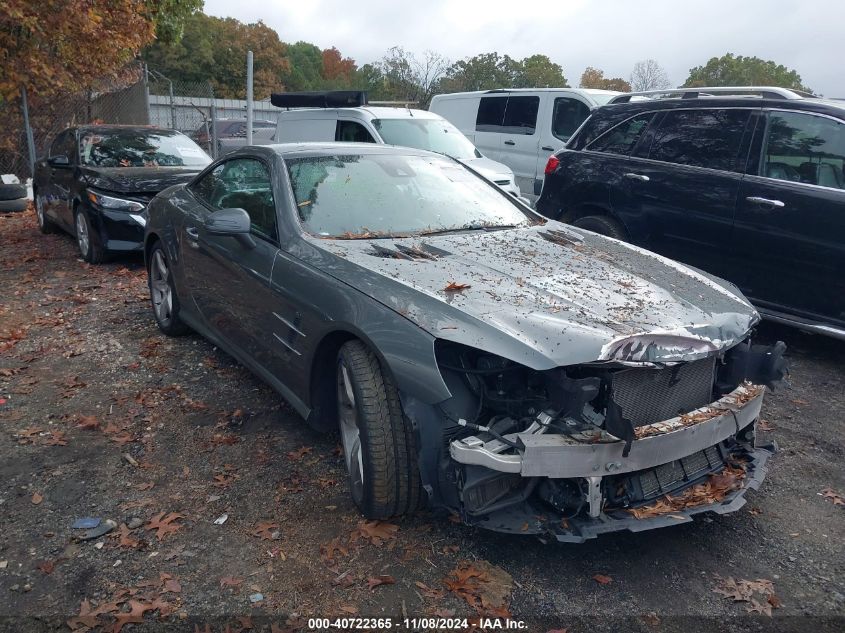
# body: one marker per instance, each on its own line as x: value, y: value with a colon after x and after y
x: 62, y: 177
x: 790, y: 224
x: 520, y: 140
x: 566, y: 115
x: 229, y: 277
x: 683, y: 181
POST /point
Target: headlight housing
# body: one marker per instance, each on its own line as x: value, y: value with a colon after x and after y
x: 114, y: 204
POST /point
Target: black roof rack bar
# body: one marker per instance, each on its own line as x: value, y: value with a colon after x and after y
x: 320, y: 99
x: 766, y: 92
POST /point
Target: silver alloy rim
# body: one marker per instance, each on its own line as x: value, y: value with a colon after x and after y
x: 82, y: 234
x: 39, y: 211
x: 349, y: 432
x: 160, y: 291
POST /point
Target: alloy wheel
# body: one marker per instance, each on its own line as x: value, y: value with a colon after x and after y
x: 82, y: 236
x: 160, y: 290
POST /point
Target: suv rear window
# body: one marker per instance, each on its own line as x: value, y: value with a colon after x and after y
x: 700, y: 138
x: 622, y: 138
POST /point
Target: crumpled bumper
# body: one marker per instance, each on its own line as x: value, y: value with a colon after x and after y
x: 557, y: 456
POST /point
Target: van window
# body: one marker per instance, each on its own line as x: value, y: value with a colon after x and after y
x: 622, y: 139
x: 352, y: 132
x: 568, y: 115
x: 434, y: 135
x: 805, y: 148
x: 701, y: 138
x: 521, y: 115
x: 491, y: 113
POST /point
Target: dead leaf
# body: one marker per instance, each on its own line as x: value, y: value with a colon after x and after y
x: 230, y: 581
x: 329, y: 550
x: 763, y: 608
x: 454, y: 286
x: 88, y: 423
x: 834, y: 497
x: 299, y: 453
x: 483, y: 586
x: 375, y: 531
x: 165, y: 525
x: 266, y: 530
x: 47, y: 566
x: 172, y: 585
x: 375, y: 581
x: 36, y: 498
x: 348, y: 608
x: 602, y: 579
x: 125, y: 538
x: 764, y: 425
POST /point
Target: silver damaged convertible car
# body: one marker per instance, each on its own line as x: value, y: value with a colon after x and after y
x: 528, y: 376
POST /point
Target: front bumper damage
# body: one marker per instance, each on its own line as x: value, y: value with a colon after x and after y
x: 725, y: 428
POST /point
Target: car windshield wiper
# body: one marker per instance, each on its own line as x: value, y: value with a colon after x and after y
x: 461, y: 229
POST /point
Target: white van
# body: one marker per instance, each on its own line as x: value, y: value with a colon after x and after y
x: 392, y: 126
x: 520, y: 127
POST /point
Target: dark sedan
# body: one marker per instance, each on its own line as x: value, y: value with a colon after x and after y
x: 531, y: 377
x: 96, y: 182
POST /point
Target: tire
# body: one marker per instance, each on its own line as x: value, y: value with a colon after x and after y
x: 45, y: 225
x: 9, y: 206
x: 377, y: 439
x: 89, y: 249
x: 12, y: 192
x: 162, y: 292
x: 603, y: 225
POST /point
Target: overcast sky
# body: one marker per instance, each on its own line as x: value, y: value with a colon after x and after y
x: 806, y: 36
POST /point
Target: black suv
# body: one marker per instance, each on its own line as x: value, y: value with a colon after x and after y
x: 749, y: 187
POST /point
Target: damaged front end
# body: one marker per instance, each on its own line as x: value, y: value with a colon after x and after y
x: 632, y: 442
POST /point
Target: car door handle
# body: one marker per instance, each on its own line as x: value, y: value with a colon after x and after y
x: 642, y: 177
x: 765, y: 202
x: 509, y: 143
x: 193, y: 233
x: 546, y: 148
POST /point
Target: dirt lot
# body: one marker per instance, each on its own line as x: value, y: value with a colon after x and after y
x: 103, y: 417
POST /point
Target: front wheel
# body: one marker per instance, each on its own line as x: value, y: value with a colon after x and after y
x: 163, y: 297
x: 89, y: 248
x: 44, y: 223
x: 378, y: 442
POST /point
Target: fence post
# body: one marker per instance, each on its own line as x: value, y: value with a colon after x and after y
x: 30, y: 140
x: 172, y: 107
x: 249, y: 98
x: 213, y: 128
x: 146, y: 80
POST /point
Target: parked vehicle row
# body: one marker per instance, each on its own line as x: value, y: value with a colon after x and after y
x: 751, y: 189
x: 529, y: 376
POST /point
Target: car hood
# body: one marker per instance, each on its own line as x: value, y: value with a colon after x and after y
x: 137, y: 179
x: 547, y: 296
x: 490, y: 169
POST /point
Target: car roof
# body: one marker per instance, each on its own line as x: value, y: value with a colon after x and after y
x: 586, y: 91
x: 335, y: 148
x: 364, y: 112
x: 824, y: 106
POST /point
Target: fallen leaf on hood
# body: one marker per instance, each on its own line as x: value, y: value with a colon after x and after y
x: 375, y: 581
x: 602, y: 579
x: 165, y: 525
x: 454, y: 286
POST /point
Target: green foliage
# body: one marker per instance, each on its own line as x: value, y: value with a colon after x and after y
x: 489, y: 71
x: 736, y: 70
x: 170, y: 17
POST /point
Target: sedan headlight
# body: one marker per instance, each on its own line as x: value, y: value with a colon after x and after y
x: 114, y: 204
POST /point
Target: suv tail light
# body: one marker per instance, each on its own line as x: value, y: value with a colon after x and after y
x: 551, y: 165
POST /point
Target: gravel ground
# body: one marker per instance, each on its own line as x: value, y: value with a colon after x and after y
x: 232, y: 515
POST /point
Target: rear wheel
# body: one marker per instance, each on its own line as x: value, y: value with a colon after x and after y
x: 44, y: 223
x: 603, y: 225
x: 378, y: 442
x: 89, y: 248
x: 163, y: 297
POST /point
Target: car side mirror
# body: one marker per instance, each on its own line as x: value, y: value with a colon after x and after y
x: 232, y: 222
x: 59, y: 161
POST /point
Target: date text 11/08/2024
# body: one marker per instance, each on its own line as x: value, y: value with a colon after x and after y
x: 414, y: 624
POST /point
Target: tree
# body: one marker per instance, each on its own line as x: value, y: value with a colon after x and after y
x: 649, y: 75
x: 736, y: 70
x: 337, y: 70
x: 487, y: 71
x: 594, y: 78
x: 538, y: 71
x: 305, y: 67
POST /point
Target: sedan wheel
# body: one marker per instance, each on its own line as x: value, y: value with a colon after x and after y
x: 89, y: 249
x: 44, y: 225
x: 163, y: 297
x: 378, y: 443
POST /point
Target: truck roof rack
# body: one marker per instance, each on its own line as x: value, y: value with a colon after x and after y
x: 765, y: 92
x: 320, y: 99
